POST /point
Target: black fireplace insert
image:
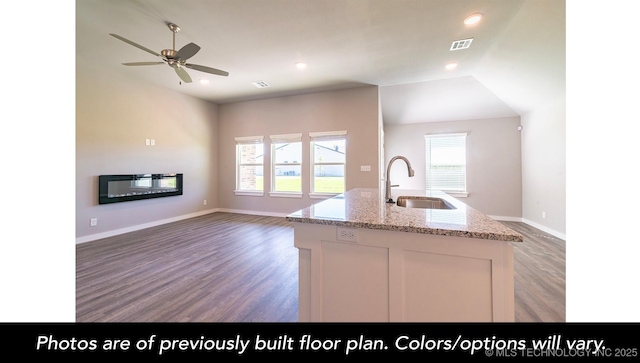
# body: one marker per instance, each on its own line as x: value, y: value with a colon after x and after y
x: 128, y: 187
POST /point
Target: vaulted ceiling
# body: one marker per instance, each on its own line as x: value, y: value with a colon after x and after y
x: 515, y: 63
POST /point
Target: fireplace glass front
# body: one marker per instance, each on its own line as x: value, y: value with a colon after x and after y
x: 127, y: 187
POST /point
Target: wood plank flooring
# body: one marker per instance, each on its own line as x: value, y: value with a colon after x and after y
x: 226, y: 267
x: 540, y: 275
x: 215, y: 268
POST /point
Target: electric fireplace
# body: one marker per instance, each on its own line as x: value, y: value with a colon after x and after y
x: 128, y: 187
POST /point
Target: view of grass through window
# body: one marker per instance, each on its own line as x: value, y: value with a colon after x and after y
x: 329, y: 157
x: 287, y: 166
x: 323, y: 184
x: 327, y: 170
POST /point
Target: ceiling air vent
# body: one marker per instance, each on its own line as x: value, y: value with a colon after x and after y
x: 260, y: 84
x: 461, y: 44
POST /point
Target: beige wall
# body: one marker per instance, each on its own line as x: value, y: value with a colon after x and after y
x: 114, y: 116
x: 544, y: 167
x: 494, y: 168
x: 354, y: 110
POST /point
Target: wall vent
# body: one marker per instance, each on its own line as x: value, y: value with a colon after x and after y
x: 260, y: 84
x: 461, y: 44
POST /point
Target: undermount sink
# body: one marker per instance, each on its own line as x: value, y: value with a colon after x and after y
x: 423, y: 202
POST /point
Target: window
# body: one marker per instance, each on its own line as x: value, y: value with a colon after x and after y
x: 286, y: 165
x: 446, y: 163
x: 328, y: 163
x: 249, y: 165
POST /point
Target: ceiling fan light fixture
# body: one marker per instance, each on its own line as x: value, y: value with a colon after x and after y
x: 204, y: 81
x: 301, y: 65
x: 472, y: 19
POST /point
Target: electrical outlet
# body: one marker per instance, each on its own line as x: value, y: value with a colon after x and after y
x: 544, y: 215
x: 204, y: 202
x: 94, y: 222
x: 347, y: 234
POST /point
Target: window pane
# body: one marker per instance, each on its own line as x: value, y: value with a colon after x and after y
x: 329, y: 151
x: 447, y: 155
x: 251, y: 153
x: 250, y: 178
x: 447, y: 178
x: 288, y: 179
x: 287, y: 153
x: 328, y: 179
x: 446, y: 163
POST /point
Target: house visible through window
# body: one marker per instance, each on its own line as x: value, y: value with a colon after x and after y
x: 286, y: 161
x: 446, y: 162
x: 249, y: 165
x: 328, y: 158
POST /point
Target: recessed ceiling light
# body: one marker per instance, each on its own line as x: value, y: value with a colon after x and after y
x: 451, y: 65
x: 301, y: 65
x: 472, y: 19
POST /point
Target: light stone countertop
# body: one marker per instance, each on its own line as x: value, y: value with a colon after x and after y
x: 366, y: 208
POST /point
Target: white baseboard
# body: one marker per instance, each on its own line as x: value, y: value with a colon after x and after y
x: 506, y: 219
x: 557, y: 234
x: 552, y: 232
x: 116, y: 232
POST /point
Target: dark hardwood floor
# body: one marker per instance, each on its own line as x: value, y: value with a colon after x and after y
x: 226, y: 267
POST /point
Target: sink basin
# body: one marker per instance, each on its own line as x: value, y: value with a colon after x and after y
x: 423, y: 202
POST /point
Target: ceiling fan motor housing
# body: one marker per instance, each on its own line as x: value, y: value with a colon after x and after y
x: 168, y: 53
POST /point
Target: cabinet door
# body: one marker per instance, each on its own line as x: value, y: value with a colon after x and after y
x: 446, y: 288
x: 355, y: 283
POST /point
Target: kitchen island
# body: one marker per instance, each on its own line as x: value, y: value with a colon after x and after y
x: 362, y: 259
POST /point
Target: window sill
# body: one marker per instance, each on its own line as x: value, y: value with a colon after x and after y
x: 458, y: 194
x: 285, y: 194
x: 249, y: 193
x: 322, y: 195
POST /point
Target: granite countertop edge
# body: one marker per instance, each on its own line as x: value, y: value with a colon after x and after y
x: 484, y: 222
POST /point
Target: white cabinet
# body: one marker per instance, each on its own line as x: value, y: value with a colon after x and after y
x: 390, y: 276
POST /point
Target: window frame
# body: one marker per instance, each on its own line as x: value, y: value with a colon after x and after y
x: 280, y: 139
x: 246, y: 140
x: 325, y: 136
x: 428, y: 138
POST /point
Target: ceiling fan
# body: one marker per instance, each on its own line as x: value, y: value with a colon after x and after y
x: 176, y: 59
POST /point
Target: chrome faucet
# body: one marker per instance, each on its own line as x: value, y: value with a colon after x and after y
x: 387, y: 195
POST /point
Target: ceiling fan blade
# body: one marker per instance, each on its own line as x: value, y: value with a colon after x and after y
x: 184, y: 76
x: 134, y: 44
x: 142, y: 63
x: 188, y: 51
x: 206, y: 69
